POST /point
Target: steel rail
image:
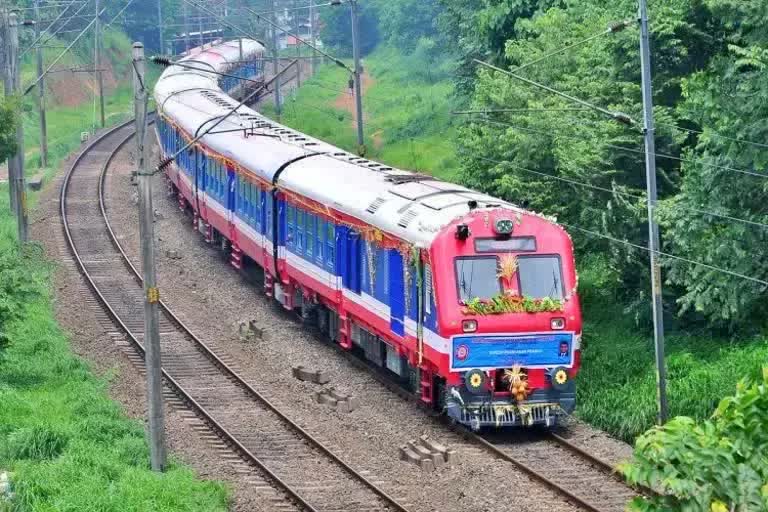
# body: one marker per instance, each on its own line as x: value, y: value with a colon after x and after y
x: 186, y: 396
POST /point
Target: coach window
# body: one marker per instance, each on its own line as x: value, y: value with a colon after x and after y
x: 257, y: 206
x: 330, y: 245
x: 319, y: 240
x: 300, y: 231
x: 268, y: 217
x: 309, y: 229
x: 239, y: 196
x: 290, y: 220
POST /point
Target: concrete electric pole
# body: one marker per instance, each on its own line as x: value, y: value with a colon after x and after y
x: 185, y: 16
x: 16, y: 177
x: 41, y: 91
x: 97, y: 62
x: 358, y: 77
x: 160, y: 26
x: 312, y: 35
x: 151, y: 293
x: 653, y: 227
x: 276, y: 61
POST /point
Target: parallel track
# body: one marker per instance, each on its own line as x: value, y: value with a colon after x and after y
x: 307, y: 473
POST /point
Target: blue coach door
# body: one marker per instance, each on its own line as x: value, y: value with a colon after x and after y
x: 396, y: 293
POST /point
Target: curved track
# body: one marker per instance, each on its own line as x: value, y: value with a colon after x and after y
x: 308, y: 474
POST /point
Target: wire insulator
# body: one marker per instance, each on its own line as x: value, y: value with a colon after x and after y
x: 618, y: 26
x: 164, y: 163
x: 162, y: 60
x: 623, y: 118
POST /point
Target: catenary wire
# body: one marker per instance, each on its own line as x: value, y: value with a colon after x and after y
x: 630, y: 150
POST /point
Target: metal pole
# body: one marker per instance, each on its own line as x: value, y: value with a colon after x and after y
x: 151, y: 293
x: 8, y: 90
x: 298, y: 46
x: 41, y: 92
x: 358, y: 81
x: 17, y: 179
x: 185, y: 15
x: 653, y: 228
x: 200, y: 28
x: 275, y: 62
x: 312, y: 35
x: 97, y: 63
x: 160, y: 25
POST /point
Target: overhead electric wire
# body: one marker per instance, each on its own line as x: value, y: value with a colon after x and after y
x: 619, y: 192
x: 127, y: 4
x: 715, y: 134
x: 667, y: 255
x: 612, y: 29
x: 618, y: 116
x: 274, y: 25
x: 58, y: 58
x: 242, y: 102
x: 630, y: 150
x: 43, y: 33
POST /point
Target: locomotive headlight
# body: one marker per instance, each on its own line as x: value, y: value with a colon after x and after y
x: 469, y: 325
x: 504, y: 226
x: 475, y: 381
x: 559, y: 378
x: 557, y: 324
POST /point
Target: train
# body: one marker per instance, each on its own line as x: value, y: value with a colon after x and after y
x: 467, y: 301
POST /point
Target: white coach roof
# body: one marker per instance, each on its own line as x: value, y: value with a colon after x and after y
x: 408, y: 205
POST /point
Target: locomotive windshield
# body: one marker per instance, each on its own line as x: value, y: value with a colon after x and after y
x: 538, y: 277
x: 477, y: 277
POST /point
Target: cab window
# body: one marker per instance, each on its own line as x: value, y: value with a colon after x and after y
x: 477, y: 278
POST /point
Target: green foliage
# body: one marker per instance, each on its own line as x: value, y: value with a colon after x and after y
x: 336, y: 28
x: 729, y: 98
x: 617, y: 381
x: 404, y: 23
x: 718, y: 465
x: 407, y: 113
x: 8, y: 119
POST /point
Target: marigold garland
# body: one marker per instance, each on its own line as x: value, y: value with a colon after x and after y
x: 508, y: 303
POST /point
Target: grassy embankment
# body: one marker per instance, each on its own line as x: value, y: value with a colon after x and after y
x: 66, y: 445
x: 407, y: 112
x: 617, y: 386
x: 65, y: 123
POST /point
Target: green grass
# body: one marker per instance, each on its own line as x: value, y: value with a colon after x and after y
x: 407, y: 113
x: 67, y: 446
x: 617, y: 384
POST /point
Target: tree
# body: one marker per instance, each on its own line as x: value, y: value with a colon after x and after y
x: 730, y: 98
x: 403, y: 23
x: 336, y: 28
x: 579, y: 165
x: 9, y: 116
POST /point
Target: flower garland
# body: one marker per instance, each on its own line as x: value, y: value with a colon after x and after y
x: 508, y: 303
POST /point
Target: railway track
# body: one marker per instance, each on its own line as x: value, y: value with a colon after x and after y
x: 307, y: 474
x: 585, y: 480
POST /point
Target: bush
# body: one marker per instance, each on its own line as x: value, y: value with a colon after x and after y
x: 719, y: 465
